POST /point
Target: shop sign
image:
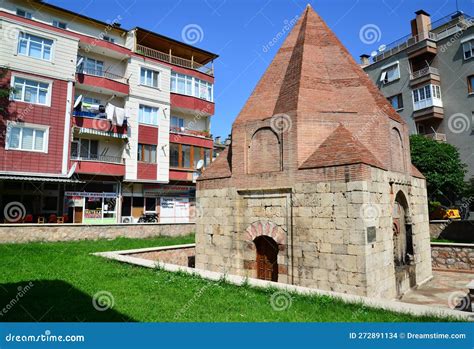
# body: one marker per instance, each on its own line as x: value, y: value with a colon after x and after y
x: 83, y: 194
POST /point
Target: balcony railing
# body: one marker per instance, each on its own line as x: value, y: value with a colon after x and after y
x: 426, y: 103
x: 102, y: 74
x: 166, y: 57
x: 99, y: 158
x: 185, y: 131
x: 440, y: 137
x: 422, y: 72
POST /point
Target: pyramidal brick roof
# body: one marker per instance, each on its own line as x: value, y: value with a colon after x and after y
x: 341, y: 148
x: 312, y: 73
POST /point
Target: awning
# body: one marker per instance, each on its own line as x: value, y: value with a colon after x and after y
x: 40, y: 179
x: 91, y: 131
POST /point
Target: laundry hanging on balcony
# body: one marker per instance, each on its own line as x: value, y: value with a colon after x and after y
x: 115, y: 114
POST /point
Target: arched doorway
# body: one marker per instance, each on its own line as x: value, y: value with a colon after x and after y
x: 267, y: 253
x: 402, y: 246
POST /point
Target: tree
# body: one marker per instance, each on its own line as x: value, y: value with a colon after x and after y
x: 5, y: 91
x: 441, y: 164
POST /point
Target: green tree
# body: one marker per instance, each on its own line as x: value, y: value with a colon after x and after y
x: 441, y: 164
x: 5, y: 90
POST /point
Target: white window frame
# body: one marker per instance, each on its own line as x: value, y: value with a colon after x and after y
x: 179, y: 118
x: 22, y: 100
x: 195, y: 86
x: 434, y: 99
x: 27, y: 15
x: 147, y: 123
x: 386, y: 68
x: 21, y: 126
x: 152, y: 71
x: 28, y: 43
x: 57, y: 23
x: 468, y: 42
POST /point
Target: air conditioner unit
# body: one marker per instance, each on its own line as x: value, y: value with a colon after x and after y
x: 127, y: 219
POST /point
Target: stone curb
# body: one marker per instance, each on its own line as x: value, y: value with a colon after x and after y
x: 399, y: 307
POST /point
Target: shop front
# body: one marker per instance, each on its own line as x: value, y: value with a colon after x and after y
x: 94, y: 203
x: 163, y: 203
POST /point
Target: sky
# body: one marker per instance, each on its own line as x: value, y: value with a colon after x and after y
x: 239, y: 31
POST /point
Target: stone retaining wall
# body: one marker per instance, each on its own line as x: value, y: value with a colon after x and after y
x: 18, y: 233
x: 452, y: 256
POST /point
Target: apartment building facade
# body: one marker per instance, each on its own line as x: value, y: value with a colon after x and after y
x: 104, y: 124
x: 428, y: 76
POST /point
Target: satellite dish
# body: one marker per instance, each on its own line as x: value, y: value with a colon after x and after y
x: 200, y: 164
x: 373, y: 53
x: 382, y: 48
x: 79, y: 61
x: 78, y: 101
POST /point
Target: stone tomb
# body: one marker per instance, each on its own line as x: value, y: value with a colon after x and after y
x: 317, y: 188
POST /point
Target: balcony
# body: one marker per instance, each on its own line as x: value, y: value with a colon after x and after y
x: 99, y: 164
x: 427, y: 75
x: 432, y: 113
x: 102, y: 82
x: 169, y: 58
x: 185, y: 131
x: 85, y: 120
x: 192, y: 104
x: 440, y: 137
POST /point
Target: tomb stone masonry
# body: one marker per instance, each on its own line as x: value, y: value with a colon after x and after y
x: 317, y: 187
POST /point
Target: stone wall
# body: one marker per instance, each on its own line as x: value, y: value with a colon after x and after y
x: 18, y: 233
x: 174, y: 255
x: 452, y: 256
x: 334, y: 236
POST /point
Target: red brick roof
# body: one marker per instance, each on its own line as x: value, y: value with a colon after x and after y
x: 312, y: 73
x: 341, y: 148
x: 220, y: 167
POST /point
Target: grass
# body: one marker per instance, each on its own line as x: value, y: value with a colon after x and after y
x: 65, y: 278
x: 442, y: 240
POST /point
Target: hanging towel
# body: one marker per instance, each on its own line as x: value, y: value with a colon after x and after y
x: 119, y: 116
x: 110, y: 111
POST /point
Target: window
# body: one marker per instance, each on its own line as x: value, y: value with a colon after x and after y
x: 59, y: 24
x: 30, y: 91
x: 150, y: 205
x: 108, y: 38
x: 396, y: 101
x: 148, y: 115
x: 29, y: 138
x: 177, y: 122
x: 91, y: 66
x: 35, y: 46
x: 85, y: 149
x: 191, y: 86
x: 149, y: 77
x: 427, y: 96
x: 468, y: 49
x: 390, y: 73
x: 174, y: 155
x: 147, y: 153
x: 23, y: 13
x: 470, y: 84
x: 188, y: 156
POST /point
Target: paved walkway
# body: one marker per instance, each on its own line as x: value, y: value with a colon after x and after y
x: 446, y: 289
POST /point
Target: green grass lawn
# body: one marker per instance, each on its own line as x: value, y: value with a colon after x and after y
x: 65, y: 278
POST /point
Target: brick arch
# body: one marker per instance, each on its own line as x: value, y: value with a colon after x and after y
x: 264, y: 152
x: 397, y: 150
x: 267, y: 228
